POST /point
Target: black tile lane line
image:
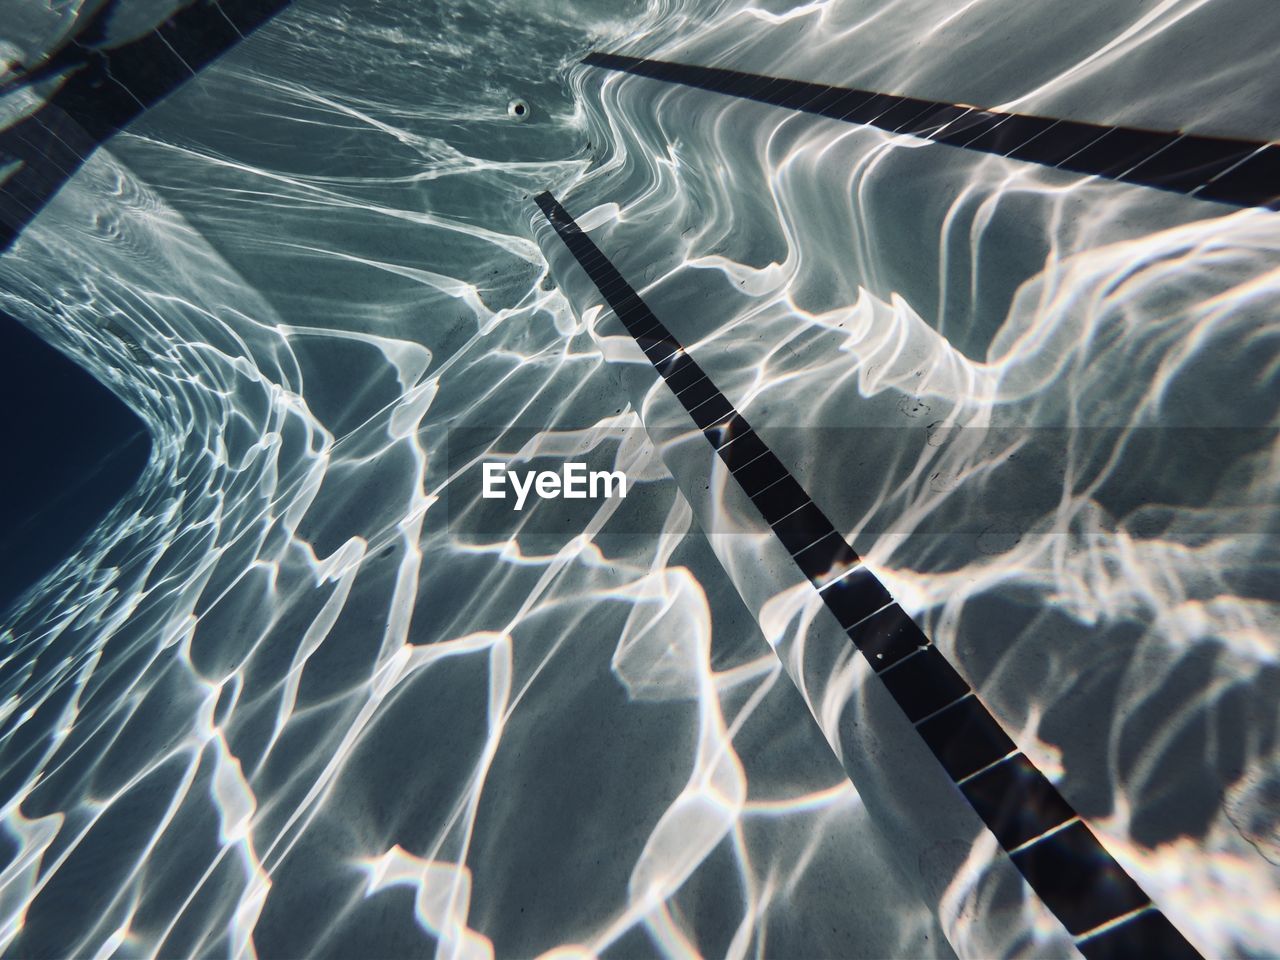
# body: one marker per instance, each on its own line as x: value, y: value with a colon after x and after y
x: 1243, y: 173
x: 106, y: 89
x: 1071, y: 872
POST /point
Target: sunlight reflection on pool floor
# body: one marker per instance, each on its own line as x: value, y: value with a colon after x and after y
x: 279, y: 705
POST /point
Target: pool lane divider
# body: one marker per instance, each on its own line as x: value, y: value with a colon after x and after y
x: 105, y: 89
x: 1100, y: 905
x: 1244, y: 173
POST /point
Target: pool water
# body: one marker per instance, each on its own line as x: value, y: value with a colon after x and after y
x: 303, y: 693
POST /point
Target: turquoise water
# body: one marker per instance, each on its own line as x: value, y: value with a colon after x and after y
x: 283, y: 702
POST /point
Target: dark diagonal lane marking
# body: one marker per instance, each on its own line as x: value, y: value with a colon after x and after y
x: 1063, y: 862
x: 1243, y: 173
x: 107, y: 89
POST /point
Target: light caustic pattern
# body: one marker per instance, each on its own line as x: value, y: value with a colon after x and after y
x: 275, y: 706
x: 1066, y: 386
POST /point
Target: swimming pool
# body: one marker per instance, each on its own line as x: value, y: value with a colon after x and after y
x: 306, y: 692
